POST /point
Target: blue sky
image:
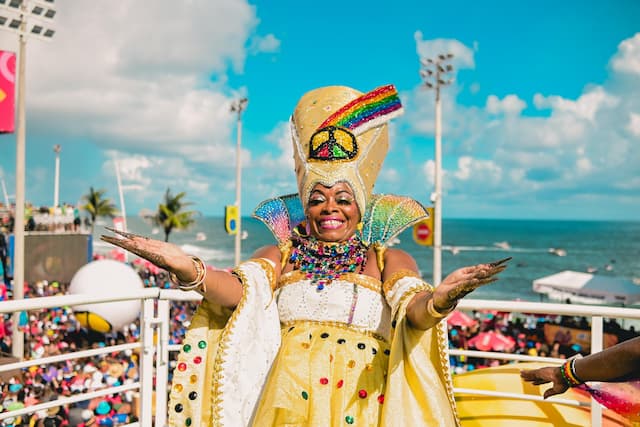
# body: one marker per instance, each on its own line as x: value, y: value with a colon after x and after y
x: 542, y: 121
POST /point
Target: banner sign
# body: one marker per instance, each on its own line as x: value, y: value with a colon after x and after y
x: 7, y: 91
x: 231, y: 219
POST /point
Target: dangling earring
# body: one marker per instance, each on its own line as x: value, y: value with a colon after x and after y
x: 302, y: 229
x: 360, y: 226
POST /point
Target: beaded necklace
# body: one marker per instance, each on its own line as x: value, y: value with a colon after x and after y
x: 324, y: 262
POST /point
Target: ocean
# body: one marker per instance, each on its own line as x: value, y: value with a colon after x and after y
x: 607, y: 248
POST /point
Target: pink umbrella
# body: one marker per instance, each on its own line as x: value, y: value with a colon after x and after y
x: 458, y: 318
x: 491, y: 340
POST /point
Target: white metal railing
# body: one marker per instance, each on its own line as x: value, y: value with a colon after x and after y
x: 154, y: 354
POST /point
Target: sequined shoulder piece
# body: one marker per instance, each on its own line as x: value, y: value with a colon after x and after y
x: 281, y: 215
x: 389, y: 215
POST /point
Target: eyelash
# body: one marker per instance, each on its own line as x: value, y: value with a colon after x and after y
x: 316, y: 202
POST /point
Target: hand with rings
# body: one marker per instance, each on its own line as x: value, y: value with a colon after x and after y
x: 163, y: 254
x: 464, y: 281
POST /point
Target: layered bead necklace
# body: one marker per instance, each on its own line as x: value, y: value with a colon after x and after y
x: 323, y: 262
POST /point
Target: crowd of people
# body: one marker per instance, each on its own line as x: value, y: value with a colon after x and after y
x: 523, y: 334
x: 54, y: 219
x: 56, y: 331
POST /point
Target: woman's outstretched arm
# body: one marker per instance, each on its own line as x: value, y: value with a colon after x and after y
x: 427, y: 308
x: 218, y: 286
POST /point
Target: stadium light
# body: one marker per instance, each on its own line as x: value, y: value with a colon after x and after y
x: 431, y: 73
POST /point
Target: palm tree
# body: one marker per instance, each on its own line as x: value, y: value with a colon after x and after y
x: 171, y: 214
x: 97, y: 205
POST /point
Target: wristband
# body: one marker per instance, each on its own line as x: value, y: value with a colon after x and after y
x: 568, y: 372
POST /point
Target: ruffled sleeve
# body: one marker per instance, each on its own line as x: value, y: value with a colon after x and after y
x: 227, y: 355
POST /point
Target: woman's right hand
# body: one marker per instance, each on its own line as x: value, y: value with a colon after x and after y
x: 162, y: 254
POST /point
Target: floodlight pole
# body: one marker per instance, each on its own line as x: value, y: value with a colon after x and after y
x: 17, y: 347
x: 238, y: 107
x: 432, y: 73
x: 56, y: 182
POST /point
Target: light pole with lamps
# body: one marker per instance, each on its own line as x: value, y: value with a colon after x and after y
x: 433, y: 72
x: 238, y: 107
x: 13, y: 18
x: 56, y: 184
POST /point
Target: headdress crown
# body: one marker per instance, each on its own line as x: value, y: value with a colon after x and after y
x: 340, y: 134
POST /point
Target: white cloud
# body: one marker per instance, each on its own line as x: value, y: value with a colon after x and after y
x: 510, y: 105
x: 627, y: 59
x: 634, y: 124
x: 469, y: 168
x: 429, y: 170
x: 583, y: 148
x: 462, y: 55
x: 268, y: 43
x: 585, y: 107
x: 144, y: 75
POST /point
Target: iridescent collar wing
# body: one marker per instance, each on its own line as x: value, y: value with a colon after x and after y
x: 281, y: 215
x: 388, y: 215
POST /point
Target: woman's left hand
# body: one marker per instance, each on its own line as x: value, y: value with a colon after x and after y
x: 464, y: 281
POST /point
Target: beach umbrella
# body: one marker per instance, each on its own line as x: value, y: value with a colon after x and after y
x: 491, y: 340
x: 459, y: 318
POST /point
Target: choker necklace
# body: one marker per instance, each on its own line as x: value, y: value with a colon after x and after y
x: 324, y: 262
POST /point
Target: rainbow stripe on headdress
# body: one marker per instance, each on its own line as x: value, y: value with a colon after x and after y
x: 368, y: 111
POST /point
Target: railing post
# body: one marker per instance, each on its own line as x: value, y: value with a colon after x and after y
x: 597, y: 338
x: 162, y: 362
x: 146, y: 363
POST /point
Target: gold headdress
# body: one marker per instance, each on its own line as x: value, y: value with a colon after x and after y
x: 340, y: 134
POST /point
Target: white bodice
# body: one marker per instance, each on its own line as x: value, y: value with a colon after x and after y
x: 354, y: 300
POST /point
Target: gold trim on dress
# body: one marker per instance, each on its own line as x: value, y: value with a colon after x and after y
x: 336, y: 325
x: 362, y: 280
x: 400, y: 274
x: 223, y: 347
x: 412, y: 292
x: 268, y: 270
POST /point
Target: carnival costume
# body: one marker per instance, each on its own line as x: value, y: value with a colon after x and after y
x: 325, y: 346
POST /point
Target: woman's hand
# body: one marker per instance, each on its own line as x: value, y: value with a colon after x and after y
x: 464, y: 281
x: 163, y: 254
x: 546, y: 375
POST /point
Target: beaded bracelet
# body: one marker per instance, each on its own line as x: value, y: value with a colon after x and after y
x: 568, y: 372
x: 431, y: 309
x: 201, y: 274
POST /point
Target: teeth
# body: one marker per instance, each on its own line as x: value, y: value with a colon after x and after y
x: 331, y: 223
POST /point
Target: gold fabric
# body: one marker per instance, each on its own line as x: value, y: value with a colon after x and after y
x: 419, y: 387
x: 360, y: 172
x: 326, y: 375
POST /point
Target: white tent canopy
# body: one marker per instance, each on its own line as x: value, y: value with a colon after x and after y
x: 588, y: 288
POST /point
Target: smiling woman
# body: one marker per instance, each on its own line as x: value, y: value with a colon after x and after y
x: 330, y: 326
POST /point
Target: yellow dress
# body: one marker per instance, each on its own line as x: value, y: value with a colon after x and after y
x: 344, y: 363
